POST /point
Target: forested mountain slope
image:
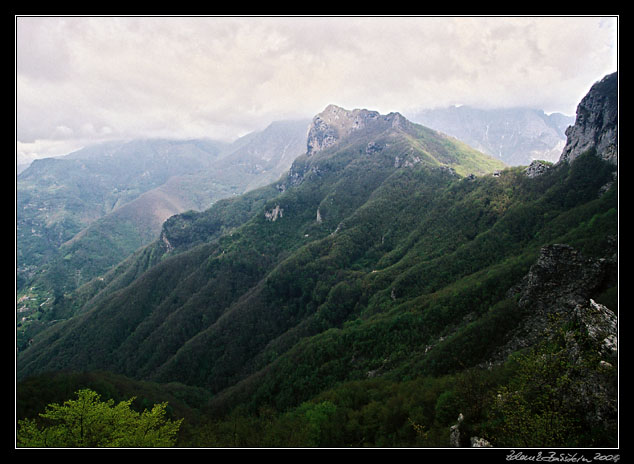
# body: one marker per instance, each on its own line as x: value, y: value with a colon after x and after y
x: 378, y: 290
x: 84, y: 212
x: 323, y: 190
x: 146, y: 182
x: 59, y: 197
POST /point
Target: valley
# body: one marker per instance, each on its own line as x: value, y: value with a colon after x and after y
x: 91, y: 238
x: 371, y: 285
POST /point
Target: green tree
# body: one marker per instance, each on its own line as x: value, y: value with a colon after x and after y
x: 533, y: 408
x: 88, y: 422
x: 320, y: 421
x: 448, y: 407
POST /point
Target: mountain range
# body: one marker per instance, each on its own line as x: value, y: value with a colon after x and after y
x: 394, y: 287
x: 64, y: 219
x: 517, y: 136
x: 81, y: 214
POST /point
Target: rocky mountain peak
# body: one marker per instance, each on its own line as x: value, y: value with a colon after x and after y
x: 596, y: 123
x: 335, y: 123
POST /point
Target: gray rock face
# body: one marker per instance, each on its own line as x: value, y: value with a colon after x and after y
x: 320, y: 136
x: 454, y: 433
x: 479, y: 443
x: 556, y: 299
x: 537, y: 168
x: 335, y: 123
x: 601, y: 325
x: 559, y: 285
x: 564, y: 277
x: 274, y: 214
x: 596, y: 125
x: 595, y: 391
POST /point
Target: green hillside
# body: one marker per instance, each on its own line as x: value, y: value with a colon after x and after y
x: 58, y: 197
x: 66, y: 237
x: 355, y: 302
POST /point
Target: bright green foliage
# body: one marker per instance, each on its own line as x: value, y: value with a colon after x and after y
x: 545, y: 403
x: 533, y: 409
x: 88, y: 422
x: 360, y: 316
x: 320, y: 422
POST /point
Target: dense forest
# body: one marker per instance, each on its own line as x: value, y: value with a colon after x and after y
x: 380, y: 294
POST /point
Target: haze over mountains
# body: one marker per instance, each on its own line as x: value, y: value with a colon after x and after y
x: 134, y: 201
x: 370, y: 294
x: 386, y: 143
x: 516, y: 136
x: 116, y: 196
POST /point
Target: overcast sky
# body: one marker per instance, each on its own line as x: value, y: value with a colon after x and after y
x: 86, y: 79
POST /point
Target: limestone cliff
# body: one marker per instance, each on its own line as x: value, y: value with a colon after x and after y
x: 596, y: 124
x: 556, y: 298
x: 560, y: 286
x: 336, y: 123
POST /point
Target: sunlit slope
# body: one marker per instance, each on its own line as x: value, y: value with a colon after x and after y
x: 355, y: 200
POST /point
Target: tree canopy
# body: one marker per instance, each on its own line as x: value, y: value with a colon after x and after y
x: 88, y: 422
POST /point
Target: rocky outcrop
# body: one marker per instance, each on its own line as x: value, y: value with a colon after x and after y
x: 596, y: 124
x: 274, y: 214
x: 454, y: 433
x: 537, y: 168
x: 336, y: 123
x: 600, y: 324
x: 321, y: 133
x: 165, y: 242
x: 455, y: 436
x: 596, y: 390
x: 563, y: 277
x: 556, y: 300
x: 477, y: 442
x: 558, y: 286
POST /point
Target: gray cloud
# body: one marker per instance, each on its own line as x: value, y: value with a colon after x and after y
x: 80, y: 79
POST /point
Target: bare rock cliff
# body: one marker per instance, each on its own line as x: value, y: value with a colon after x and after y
x: 336, y: 123
x: 596, y: 124
x: 560, y: 286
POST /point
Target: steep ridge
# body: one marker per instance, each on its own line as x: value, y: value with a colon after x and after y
x: 330, y: 185
x: 596, y: 124
x: 181, y: 175
x: 381, y: 282
x: 59, y: 197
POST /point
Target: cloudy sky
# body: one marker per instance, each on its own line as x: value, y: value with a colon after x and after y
x: 85, y: 79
